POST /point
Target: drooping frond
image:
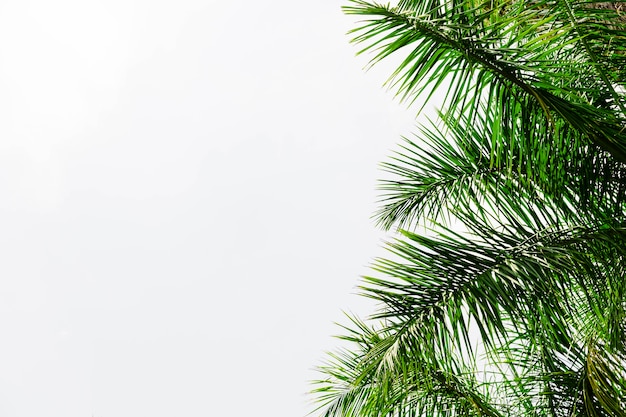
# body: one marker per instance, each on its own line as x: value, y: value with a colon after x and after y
x: 361, y: 382
x: 523, y: 57
x: 460, y: 168
x: 521, y: 290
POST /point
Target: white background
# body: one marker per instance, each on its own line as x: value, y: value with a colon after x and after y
x: 185, y: 199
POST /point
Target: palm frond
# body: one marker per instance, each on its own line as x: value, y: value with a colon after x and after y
x: 511, y: 285
x: 457, y: 167
x: 361, y: 382
x: 528, y: 58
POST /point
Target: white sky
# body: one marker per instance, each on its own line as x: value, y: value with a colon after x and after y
x: 185, y: 199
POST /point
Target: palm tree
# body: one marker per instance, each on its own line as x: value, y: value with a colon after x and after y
x: 514, y: 302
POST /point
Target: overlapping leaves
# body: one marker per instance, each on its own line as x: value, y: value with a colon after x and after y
x: 523, y: 185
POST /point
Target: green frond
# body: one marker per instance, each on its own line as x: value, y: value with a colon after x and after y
x: 514, y: 285
x: 360, y: 383
x: 534, y: 56
x: 459, y: 169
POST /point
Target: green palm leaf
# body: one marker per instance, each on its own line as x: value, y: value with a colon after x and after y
x: 499, y: 59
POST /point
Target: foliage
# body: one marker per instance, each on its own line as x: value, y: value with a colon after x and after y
x: 514, y: 302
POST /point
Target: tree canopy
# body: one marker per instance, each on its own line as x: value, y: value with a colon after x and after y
x: 504, y: 292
